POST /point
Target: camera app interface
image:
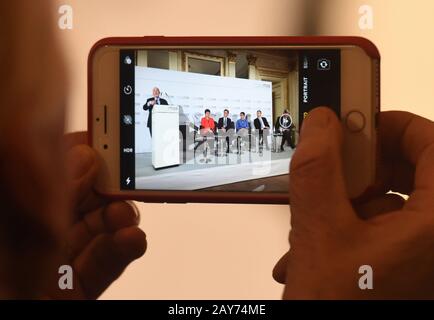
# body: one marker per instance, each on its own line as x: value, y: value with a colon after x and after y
x: 218, y: 119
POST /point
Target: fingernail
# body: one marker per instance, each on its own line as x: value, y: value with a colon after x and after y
x: 80, y: 159
x: 136, y: 210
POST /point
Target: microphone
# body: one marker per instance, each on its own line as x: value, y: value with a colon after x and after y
x: 169, y: 100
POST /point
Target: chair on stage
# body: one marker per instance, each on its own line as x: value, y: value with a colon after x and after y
x: 207, y: 140
x: 224, y: 140
x: 244, y: 140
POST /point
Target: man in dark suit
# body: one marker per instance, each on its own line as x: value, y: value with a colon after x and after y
x: 150, y: 103
x: 226, y: 126
x: 261, y: 124
x: 285, y: 126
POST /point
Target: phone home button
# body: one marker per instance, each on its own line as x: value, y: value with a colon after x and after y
x: 355, y: 121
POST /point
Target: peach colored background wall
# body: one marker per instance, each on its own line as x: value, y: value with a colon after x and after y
x: 228, y: 251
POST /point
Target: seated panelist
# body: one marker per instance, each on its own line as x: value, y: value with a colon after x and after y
x: 261, y: 124
x: 242, y: 127
x: 242, y: 124
x: 225, y: 124
x: 207, y: 125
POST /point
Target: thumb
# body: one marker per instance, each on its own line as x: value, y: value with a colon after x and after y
x: 316, y: 183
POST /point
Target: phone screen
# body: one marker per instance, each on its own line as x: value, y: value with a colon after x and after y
x: 218, y: 119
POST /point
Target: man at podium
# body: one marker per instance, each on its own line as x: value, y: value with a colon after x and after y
x: 150, y: 103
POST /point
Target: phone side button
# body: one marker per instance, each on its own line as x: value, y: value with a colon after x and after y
x: 355, y: 121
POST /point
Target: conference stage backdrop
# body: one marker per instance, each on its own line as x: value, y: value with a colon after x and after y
x: 193, y: 93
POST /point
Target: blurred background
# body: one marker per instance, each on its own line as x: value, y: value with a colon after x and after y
x: 220, y: 251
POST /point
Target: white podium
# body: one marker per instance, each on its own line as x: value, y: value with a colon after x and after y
x: 165, y: 136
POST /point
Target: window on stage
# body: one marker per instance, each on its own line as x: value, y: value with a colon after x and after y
x: 198, y: 63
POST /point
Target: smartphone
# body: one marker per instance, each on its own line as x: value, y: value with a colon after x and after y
x: 217, y: 119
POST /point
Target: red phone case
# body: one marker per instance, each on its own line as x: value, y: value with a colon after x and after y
x: 214, y: 196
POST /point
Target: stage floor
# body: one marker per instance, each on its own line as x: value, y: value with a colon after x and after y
x: 218, y: 171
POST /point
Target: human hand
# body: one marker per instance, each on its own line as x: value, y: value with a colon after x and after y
x: 331, y: 238
x: 49, y: 220
x: 103, y: 236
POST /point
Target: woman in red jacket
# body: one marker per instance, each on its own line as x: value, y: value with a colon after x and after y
x: 207, y: 124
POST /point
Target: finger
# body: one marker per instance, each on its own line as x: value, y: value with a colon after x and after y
x: 422, y: 198
x: 404, y: 135
x: 395, y: 175
x: 279, y: 271
x: 404, y: 138
x: 316, y: 182
x: 105, y: 258
x: 121, y: 214
x: 379, y: 205
x: 115, y: 216
x: 84, y: 230
x: 75, y: 138
x: 83, y: 168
